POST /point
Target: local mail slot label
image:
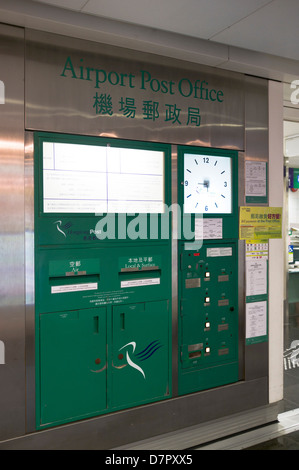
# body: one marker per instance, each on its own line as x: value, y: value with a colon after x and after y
x: 140, y: 282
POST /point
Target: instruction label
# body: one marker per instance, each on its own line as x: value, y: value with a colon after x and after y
x: 222, y: 251
x: 74, y: 287
x: 208, y: 229
x: 140, y: 282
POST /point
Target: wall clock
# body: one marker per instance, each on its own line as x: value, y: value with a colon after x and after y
x: 207, y: 184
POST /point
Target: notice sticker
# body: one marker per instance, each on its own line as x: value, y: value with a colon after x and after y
x: 208, y: 229
x: 140, y: 282
x: 218, y: 252
x: 74, y: 287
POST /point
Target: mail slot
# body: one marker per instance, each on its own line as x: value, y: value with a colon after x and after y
x: 141, y: 278
x: 66, y: 278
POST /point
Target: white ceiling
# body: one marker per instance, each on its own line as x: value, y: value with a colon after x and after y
x: 256, y: 37
x: 268, y: 26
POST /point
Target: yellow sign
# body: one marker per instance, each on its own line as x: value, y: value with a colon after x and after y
x: 259, y: 223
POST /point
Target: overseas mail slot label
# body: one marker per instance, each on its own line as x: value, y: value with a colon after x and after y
x: 74, y: 287
x: 140, y: 282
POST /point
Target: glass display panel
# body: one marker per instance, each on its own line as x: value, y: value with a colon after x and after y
x: 81, y: 178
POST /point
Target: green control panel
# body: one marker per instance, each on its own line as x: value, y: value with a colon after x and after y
x: 102, y: 276
x: 208, y: 270
x: 208, y: 317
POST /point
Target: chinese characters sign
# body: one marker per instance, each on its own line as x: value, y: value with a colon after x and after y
x: 139, y: 263
x: 104, y: 103
x: 151, y: 110
x: 93, y: 89
x: 259, y: 223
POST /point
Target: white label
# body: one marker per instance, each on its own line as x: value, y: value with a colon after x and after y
x: 208, y: 229
x: 215, y: 252
x: 74, y: 287
x: 140, y: 282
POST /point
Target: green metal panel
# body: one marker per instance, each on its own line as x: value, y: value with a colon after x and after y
x: 73, y: 365
x: 83, y: 286
x: 208, y: 270
x: 141, y: 359
x: 208, y: 317
x: 106, y: 276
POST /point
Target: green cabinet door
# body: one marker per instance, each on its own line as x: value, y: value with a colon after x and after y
x: 141, y: 345
x: 73, y: 365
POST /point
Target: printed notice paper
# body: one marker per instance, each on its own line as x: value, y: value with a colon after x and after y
x: 255, y: 178
x: 208, y: 229
x: 256, y: 277
x: 256, y: 319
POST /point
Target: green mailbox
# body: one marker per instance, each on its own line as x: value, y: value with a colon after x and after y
x: 102, y: 276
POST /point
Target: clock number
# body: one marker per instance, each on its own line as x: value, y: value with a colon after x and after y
x: 206, y: 208
x: 206, y: 159
x: 225, y: 184
x: 186, y: 183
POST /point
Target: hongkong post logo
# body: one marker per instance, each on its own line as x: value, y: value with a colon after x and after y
x: 143, y: 355
x: 62, y: 228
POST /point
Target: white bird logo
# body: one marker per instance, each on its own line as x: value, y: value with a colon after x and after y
x: 130, y: 362
x: 59, y: 222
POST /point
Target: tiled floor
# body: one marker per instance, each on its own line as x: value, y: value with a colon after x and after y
x: 291, y: 393
x: 286, y: 442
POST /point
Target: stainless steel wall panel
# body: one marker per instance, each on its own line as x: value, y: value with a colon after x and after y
x: 12, y: 277
x: 129, y: 426
x: 256, y: 148
x: 81, y: 87
x: 29, y: 283
x: 256, y: 119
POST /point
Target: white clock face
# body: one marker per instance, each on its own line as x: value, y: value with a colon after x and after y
x: 207, y: 184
